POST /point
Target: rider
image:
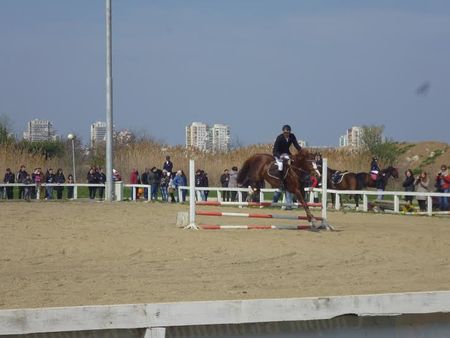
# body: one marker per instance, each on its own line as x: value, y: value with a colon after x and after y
x: 374, y: 168
x: 281, y: 150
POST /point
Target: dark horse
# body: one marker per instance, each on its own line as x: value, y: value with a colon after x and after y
x: 258, y: 167
x: 347, y: 181
x: 365, y: 180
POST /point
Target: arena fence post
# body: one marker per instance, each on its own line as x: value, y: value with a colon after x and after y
x: 191, y: 224
x: 324, y: 188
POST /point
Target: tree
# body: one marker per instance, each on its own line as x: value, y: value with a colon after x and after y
x: 5, y: 130
x: 374, y: 143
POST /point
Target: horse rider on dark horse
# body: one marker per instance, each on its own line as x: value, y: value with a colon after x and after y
x: 281, y: 151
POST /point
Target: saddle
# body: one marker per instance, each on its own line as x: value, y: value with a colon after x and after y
x: 337, y: 177
x: 272, y: 171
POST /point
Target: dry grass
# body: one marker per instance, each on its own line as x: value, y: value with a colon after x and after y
x: 147, y: 154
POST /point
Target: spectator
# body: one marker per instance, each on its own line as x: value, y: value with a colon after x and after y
x: 27, y: 189
x: 164, y: 185
x: 49, y: 179
x: 422, y: 185
x: 408, y: 184
x: 20, y: 178
x: 224, y: 180
x: 199, y: 182
x: 92, y: 178
x: 60, y: 179
x: 134, y: 179
x: 178, y: 181
x: 70, y: 189
x: 171, y: 188
x: 144, y: 180
x: 168, y: 165
x: 37, y: 178
x: 154, y: 178
x: 101, y: 178
x: 443, y: 185
x: 9, y: 179
x: 232, y: 183
x: 205, y: 184
x: 184, y: 184
x: 116, y: 176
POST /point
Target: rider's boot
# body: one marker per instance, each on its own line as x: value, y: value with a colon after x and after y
x: 280, y: 175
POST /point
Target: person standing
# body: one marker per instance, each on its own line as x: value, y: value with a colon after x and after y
x: 224, y: 180
x: 101, y: 179
x: 422, y: 185
x: 168, y: 165
x: 281, y: 150
x: 49, y: 179
x: 232, y: 182
x: 165, y: 179
x: 60, y: 179
x: 70, y: 189
x: 408, y: 184
x: 20, y: 178
x: 9, y: 178
x: 92, y: 178
x: 443, y: 185
x: 134, y: 179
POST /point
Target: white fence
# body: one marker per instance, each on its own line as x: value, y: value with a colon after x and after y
x: 240, y: 194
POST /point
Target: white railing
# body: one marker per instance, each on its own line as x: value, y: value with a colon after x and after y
x: 396, y: 203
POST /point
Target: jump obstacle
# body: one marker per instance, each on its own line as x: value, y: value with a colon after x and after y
x: 193, y: 212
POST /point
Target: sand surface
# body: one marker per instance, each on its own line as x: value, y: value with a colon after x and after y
x: 82, y: 253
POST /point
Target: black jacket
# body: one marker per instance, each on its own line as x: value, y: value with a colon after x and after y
x: 281, y: 145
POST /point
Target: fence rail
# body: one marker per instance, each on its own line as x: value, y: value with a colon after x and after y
x: 241, y: 193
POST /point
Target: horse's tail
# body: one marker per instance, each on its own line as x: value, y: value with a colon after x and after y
x: 243, y: 178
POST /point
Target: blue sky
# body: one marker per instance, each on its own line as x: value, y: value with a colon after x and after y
x: 321, y: 66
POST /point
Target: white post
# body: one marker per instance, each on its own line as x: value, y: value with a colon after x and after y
x: 133, y: 190
x: 192, y: 224
x: 396, y: 204
x: 261, y: 196
x: 337, y: 202
x: 219, y: 196
x: 365, y: 203
x: 324, y: 188
x: 429, y: 205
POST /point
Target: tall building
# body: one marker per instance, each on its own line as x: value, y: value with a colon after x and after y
x: 40, y: 130
x: 197, y: 136
x: 200, y: 136
x: 220, y: 137
x: 352, y: 138
x: 98, y: 133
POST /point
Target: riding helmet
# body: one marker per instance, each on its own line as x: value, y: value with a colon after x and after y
x: 286, y: 127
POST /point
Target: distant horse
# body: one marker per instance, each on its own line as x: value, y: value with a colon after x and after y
x: 261, y: 167
x: 346, y: 180
x: 340, y: 180
x: 366, y: 181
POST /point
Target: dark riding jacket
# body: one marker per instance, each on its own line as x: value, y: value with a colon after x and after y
x: 281, y: 145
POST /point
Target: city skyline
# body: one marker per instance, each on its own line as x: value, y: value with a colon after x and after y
x: 253, y: 65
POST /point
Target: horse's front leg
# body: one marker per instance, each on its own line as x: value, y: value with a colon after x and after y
x: 302, y: 201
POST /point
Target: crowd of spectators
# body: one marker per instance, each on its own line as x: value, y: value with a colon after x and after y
x: 163, y: 184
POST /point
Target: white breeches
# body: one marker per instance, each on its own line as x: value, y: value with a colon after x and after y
x: 279, y: 161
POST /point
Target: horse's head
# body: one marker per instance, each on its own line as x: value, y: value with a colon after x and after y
x: 306, y: 162
x: 392, y: 171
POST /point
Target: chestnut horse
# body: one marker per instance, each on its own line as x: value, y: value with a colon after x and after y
x: 258, y: 167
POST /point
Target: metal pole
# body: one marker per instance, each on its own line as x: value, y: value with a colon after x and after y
x: 73, y: 161
x: 324, y: 188
x: 109, y: 106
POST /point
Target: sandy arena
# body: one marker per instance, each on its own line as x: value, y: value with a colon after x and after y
x: 81, y: 253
